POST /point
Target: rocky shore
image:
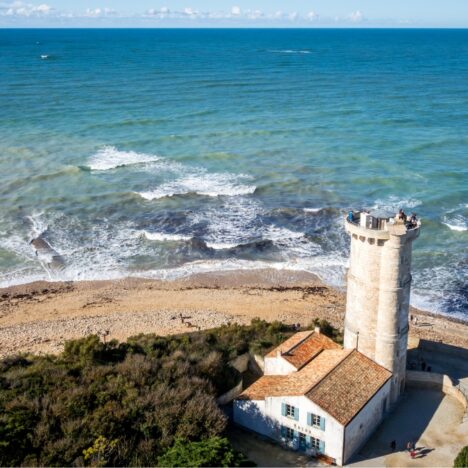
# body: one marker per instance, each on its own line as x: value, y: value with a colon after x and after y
x: 40, y: 317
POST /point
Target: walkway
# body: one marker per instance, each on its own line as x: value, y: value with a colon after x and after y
x: 427, y: 417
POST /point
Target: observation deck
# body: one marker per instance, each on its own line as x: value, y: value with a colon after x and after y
x: 379, y: 225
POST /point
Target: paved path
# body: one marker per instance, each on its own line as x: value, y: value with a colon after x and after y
x: 428, y: 417
x: 266, y: 453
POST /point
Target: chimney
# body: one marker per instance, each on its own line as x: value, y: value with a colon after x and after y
x: 317, y: 330
x: 278, y: 352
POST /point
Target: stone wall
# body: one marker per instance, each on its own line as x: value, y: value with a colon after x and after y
x: 437, y: 382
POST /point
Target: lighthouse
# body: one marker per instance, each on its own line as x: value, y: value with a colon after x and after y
x: 378, y: 292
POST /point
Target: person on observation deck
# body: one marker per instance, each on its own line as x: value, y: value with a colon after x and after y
x: 401, y: 216
x: 413, y: 221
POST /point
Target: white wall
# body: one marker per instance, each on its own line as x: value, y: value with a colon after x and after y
x: 359, y: 430
x: 265, y: 417
x: 251, y: 414
x: 332, y: 435
x: 278, y: 366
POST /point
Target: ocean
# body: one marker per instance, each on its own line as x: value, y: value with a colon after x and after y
x: 160, y: 153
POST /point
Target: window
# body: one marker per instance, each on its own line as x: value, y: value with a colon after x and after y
x: 315, y: 443
x: 315, y: 420
x: 291, y: 411
x: 289, y: 433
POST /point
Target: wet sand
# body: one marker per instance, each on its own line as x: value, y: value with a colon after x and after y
x: 39, y: 317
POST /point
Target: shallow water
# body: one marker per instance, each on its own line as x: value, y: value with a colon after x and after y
x: 164, y: 152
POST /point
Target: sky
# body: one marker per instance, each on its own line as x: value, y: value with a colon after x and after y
x: 234, y: 13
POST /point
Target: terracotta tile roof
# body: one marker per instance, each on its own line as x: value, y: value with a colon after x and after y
x: 349, y: 386
x: 267, y: 385
x: 290, y: 343
x: 305, y: 351
x: 302, y: 347
x: 296, y: 383
x: 340, y: 381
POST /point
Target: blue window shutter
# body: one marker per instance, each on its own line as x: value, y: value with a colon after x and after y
x: 308, y: 442
x: 322, y: 423
x: 296, y: 434
x: 296, y: 414
x: 322, y: 446
x: 309, y: 419
x: 283, y: 409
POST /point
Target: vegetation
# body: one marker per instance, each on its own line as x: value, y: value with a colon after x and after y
x: 329, y: 330
x: 462, y: 458
x: 215, y: 451
x: 136, y: 403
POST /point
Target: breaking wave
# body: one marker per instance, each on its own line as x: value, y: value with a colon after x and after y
x: 456, y: 222
x: 204, y: 184
x: 393, y: 203
x: 110, y: 157
x: 162, y: 237
x: 291, y: 51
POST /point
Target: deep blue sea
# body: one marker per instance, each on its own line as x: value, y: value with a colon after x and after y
x: 160, y: 153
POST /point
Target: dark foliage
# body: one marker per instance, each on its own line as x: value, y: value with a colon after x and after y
x: 215, y: 451
x: 328, y: 330
x: 123, y: 403
x: 462, y: 458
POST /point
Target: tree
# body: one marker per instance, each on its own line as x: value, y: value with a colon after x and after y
x: 462, y: 458
x: 215, y: 451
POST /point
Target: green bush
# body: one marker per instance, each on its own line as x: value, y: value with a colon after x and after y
x: 122, y: 403
x: 462, y: 458
x: 117, y: 404
x: 328, y: 330
x: 215, y: 451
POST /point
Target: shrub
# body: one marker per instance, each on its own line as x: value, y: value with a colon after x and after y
x: 462, y: 458
x: 124, y: 403
x: 215, y: 451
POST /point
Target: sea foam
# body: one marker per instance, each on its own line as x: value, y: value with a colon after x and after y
x: 163, y: 237
x: 204, y: 184
x: 394, y: 203
x: 456, y: 223
x: 111, y: 158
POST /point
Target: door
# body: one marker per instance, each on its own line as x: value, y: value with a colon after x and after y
x: 302, y: 442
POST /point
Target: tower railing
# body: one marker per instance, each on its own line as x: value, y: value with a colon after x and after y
x: 378, y: 224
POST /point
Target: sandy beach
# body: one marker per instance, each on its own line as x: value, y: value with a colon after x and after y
x: 39, y: 317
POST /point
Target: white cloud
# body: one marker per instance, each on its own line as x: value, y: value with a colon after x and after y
x: 356, y: 16
x: 22, y: 9
x: 14, y: 11
x: 254, y: 14
x: 99, y: 12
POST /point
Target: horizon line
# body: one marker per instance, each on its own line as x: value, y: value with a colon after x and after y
x: 458, y: 28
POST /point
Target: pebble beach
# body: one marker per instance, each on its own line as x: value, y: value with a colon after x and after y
x: 39, y: 317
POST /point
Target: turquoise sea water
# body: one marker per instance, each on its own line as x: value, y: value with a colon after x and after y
x: 164, y: 152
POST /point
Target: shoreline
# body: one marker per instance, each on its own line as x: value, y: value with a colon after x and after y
x: 38, y: 317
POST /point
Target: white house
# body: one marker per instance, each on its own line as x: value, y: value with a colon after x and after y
x: 316, y: 397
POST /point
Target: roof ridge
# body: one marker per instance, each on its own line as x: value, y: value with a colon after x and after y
x: 302, y: 341
x: 331, y: 370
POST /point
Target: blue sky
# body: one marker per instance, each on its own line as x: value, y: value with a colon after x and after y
x: 235, y: 13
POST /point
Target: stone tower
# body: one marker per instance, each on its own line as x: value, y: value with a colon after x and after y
x: 379, y: 283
